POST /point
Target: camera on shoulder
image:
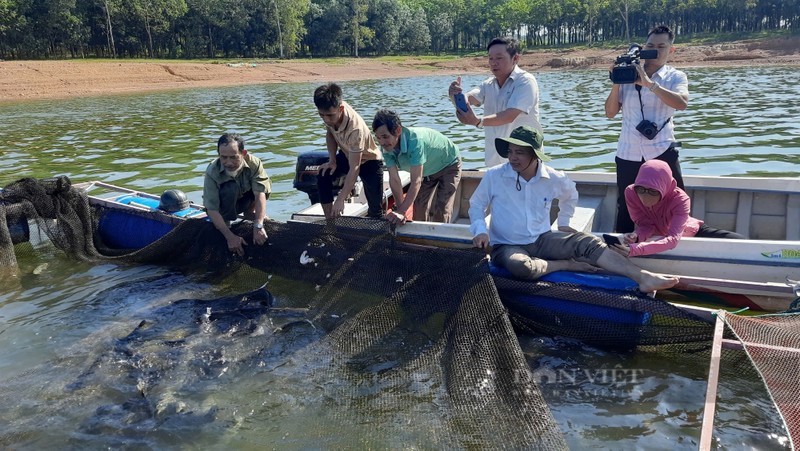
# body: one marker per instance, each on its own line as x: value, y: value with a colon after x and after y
x: 624, y: 70
x: 648, y: 129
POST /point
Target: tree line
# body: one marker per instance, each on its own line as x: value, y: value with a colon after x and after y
x: 34, y: 29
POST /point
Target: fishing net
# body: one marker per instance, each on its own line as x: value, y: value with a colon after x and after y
x: 606, y: 318
x: 772, y: 345
x: 413, y: 343
x: 403, y: 332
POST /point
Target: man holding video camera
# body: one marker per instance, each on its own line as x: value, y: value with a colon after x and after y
x: 648, y: 101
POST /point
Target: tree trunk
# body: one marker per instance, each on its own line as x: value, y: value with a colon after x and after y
x: 110, y: 31
x: 625, y: 20
x: 355, y: 27
x: 149, y: 34
x: 210, y: 42
x: 280, y: 36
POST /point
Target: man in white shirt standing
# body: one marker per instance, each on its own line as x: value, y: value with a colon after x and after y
x: 510, y: 97
x: 659, y: 91
x: 520, y: 194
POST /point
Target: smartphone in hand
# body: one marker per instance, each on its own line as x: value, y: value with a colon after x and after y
x: 461, y: 102
x: 611, y: 239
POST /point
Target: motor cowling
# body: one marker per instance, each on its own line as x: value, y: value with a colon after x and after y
x: 307, y: 171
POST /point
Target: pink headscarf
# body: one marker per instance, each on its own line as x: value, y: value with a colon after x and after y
x: 668, y: 218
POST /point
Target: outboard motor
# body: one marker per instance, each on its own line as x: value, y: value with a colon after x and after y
x: 173, y: 200
x: 306, y: 172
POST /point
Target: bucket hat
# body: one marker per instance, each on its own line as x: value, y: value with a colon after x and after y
x: 525, y: 136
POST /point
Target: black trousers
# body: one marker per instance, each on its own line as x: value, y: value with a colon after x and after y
x: 626, y: 175
x: 707, y: 232
x: 371, y: 174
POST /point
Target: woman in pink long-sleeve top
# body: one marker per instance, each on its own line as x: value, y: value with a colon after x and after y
x: 660, y: 211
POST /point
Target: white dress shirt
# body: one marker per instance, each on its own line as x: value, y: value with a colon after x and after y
x: 521, y: 92
x: 519, y: 217
x: 633, y: 146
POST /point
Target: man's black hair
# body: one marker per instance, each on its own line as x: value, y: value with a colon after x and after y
x: 388, y: 118
x: 663, y: 29
x: 512, y: 45
x: 328, y: 96
x: 229, y: 138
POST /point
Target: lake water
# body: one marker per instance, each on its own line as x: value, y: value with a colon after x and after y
x: 60, y: 315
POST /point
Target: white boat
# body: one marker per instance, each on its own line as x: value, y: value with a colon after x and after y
x: 759, y: 273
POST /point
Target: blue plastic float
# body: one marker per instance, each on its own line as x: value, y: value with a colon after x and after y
x: 577, y: 308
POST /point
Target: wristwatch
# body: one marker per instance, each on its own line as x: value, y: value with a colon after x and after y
x: 258, y: 225
x: 654, y: 86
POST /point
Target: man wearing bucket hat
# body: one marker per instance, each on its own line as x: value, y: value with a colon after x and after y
x: 520, y: 194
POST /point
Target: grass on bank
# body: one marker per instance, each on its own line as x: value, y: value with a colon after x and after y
x: 686, y: 40
x: 335, y: 61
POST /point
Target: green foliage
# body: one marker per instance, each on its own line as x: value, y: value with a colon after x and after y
x: 287, y: 28
x: 414, y: 34
x: 8, y: 17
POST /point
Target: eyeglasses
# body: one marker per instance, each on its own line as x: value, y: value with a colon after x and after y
x: 643, y: 190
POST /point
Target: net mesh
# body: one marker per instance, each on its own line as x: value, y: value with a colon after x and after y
x: 772, y: 343
x: 403, y: 326
x: 388, y: 314
x: 601, y: 317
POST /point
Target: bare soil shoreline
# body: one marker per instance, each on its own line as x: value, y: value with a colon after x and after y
x: 39, y: 80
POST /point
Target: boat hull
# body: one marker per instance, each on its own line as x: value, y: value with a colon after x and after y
x: 132, y: 219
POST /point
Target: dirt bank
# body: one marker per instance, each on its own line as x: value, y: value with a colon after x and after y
x: 30, y: 80
x: 781, y: 51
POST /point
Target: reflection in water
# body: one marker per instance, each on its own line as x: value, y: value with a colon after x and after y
x: 59, y: 316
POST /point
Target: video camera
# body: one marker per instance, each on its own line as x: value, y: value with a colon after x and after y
x: 624, y: 71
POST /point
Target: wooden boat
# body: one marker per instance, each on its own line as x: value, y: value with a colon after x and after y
x: 758, y: 273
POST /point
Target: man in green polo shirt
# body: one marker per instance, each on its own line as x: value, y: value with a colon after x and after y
x: 433, y: 161
x: 236, y: 183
